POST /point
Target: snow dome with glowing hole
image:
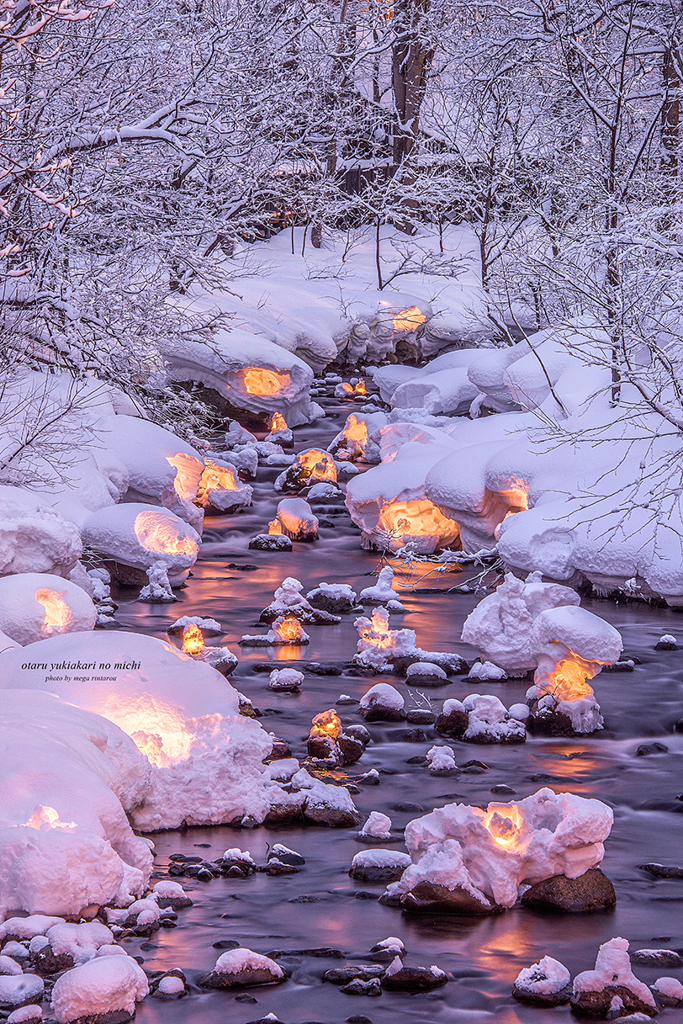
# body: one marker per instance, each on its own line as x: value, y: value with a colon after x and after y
x: 530, y: 624
x: 472, y: 861
x: 248, y: 371
x: 141, y: 536
x: 67, y: 778
x: 390, y: 506
x: 34, y: 606
x: 181, y: 713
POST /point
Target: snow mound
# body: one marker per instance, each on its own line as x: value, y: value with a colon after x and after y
x: 181, y: 713
x: 103, y: 985
x: 35, y: 539
x: 143, y: 536
x: 490, y: 852
x: 34, y: 606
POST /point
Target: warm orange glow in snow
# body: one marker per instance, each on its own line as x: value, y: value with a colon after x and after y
x: 45, y: 818
x: 327, y: 724
x: 503, y: 822
x: 408, y: 319
x: 274, y: 527
x: 188, y: 472
x: 377, y: 634
x: 57, y: 618
x: 216, y: 478
x: 193, y: 639
x: 355, y: 389
x: 156, y: 533
x: 257, y: 381
x: 315, y: 464
x: 417, y: 518
x: 157, y: 729
x: 516, y: 496
x: 289, y: 628
x: 356, y: 430
x: 277, y: 422
x: 569, y: 680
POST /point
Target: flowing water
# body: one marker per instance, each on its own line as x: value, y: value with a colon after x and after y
x: 322, y: 906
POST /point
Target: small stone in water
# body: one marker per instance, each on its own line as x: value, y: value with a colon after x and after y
x: 651, y: 748
x: 503, y: 790
x: 662, y: 870
x: 363, y: 988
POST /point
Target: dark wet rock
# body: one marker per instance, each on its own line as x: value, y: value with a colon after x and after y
x: 666, y: 643
x: 429, y: 897
x: 625, y: 665
x: 307, y: 616
x: 529, y: 990
x: 453, y: 724
x: 414, y: 979
x: 418, y: 759
x: 344, y: 700
x: 379, y: 865
x: 319, y: 952
x: 664, y: 998
x: 662, y: 870
x: 548, y: 721
x: 409, y: 808
x: 656, y: 958
x: 357, y: 987
x: 503, y: 790
x: 281, y: 750
x: 266, y: 1020
x: 276, y: 867
x: 378, y: 712
x: 45, y: 961
x: 159, y: 984
x: 245, y: 865
x: 358, y: 1018
x: 678, y: 726
x: 341, y: 975
x: 314, y: 668
x: 651, y: 748
x: 475, y: 763
x: 370, y: 779
x: 225, y: 944
x: 285, y: 855
x: 358, y: 732
x: 245, y: 976
x: 597, y: 1004
x: 417, y: 716
x: 270, y: 542
x: 180, y: 857
x: 352, y: 749
x: 111, y: 1017
x: 341, y: 605
x: 412, y: 736
x: 590, y: 891
x: 244, y: 997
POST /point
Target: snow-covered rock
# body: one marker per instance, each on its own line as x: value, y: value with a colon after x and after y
x: 382, y: 702
x: 378, y: 826
x: 379, y: 865
x: 612, y: 978
x: 309, y: 467
x: 143, y: 536
x: 383, y: 591
x: 378, y: 645
x: 34, y: 606
x: 103, y: 985
x: 242, y: 967
x: 16, y: 989
x: 485, y: 854
x: 34, y: 537
x: 546, y: 983
x: 297, y: 520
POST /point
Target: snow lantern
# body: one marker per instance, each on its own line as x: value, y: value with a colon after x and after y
x: 34, y: 606
x: 326, y: 725
x: 188, y: 471
x: 309, y: 467
x: 44, y: 818
x: 265, y: 383
x: 351, y: 442
x: 156, y: 533
x: 416, y: 521
x: 406, y: 320
x: 378, y: 645
x: 358, y: 388
x: 220, y: 488
x: 193, y: 639
x: 297, y: 519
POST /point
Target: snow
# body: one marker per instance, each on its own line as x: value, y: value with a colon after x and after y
x: 103, y: 985
x: 383, y: 695
x: 378, y: 826
x: 15, y: 989
x: 383, y: 591
x: 171, y: 985
x: 670, y: 987
x: 35, y: 538
x: 285, y: 679
x: 391, y: 943
x: 380, y: 859
x: 31, y: 1012
x: 34, y: 606
x: 142, y: 536
x: 80, y: 941
x: 378, y: 644
x: 613, y: 968
x: 485, y: 671
x: 297, y: 519
x: 545, y: 977
x: 168, y: 890
x: 28, y: 927
x: 543, y: 835
x: 237, y: 960
x: 441, y: 759
x: 9, y: 966
x: 424, y: 668
x: 205, y: 758
x: 488, y: 718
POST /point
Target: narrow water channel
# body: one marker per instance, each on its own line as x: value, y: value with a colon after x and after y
x: 322, y: 906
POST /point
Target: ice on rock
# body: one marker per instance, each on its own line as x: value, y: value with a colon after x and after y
x: 297, y: 520
x: 141, y: 536
x: 103, y: 985
x: 34, y: 606
x: 378, y: 826
x: 203, y: 760
x: 16, y: 989
x: 489, y: 852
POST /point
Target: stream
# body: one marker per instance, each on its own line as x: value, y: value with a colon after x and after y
x: 322, y: 906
